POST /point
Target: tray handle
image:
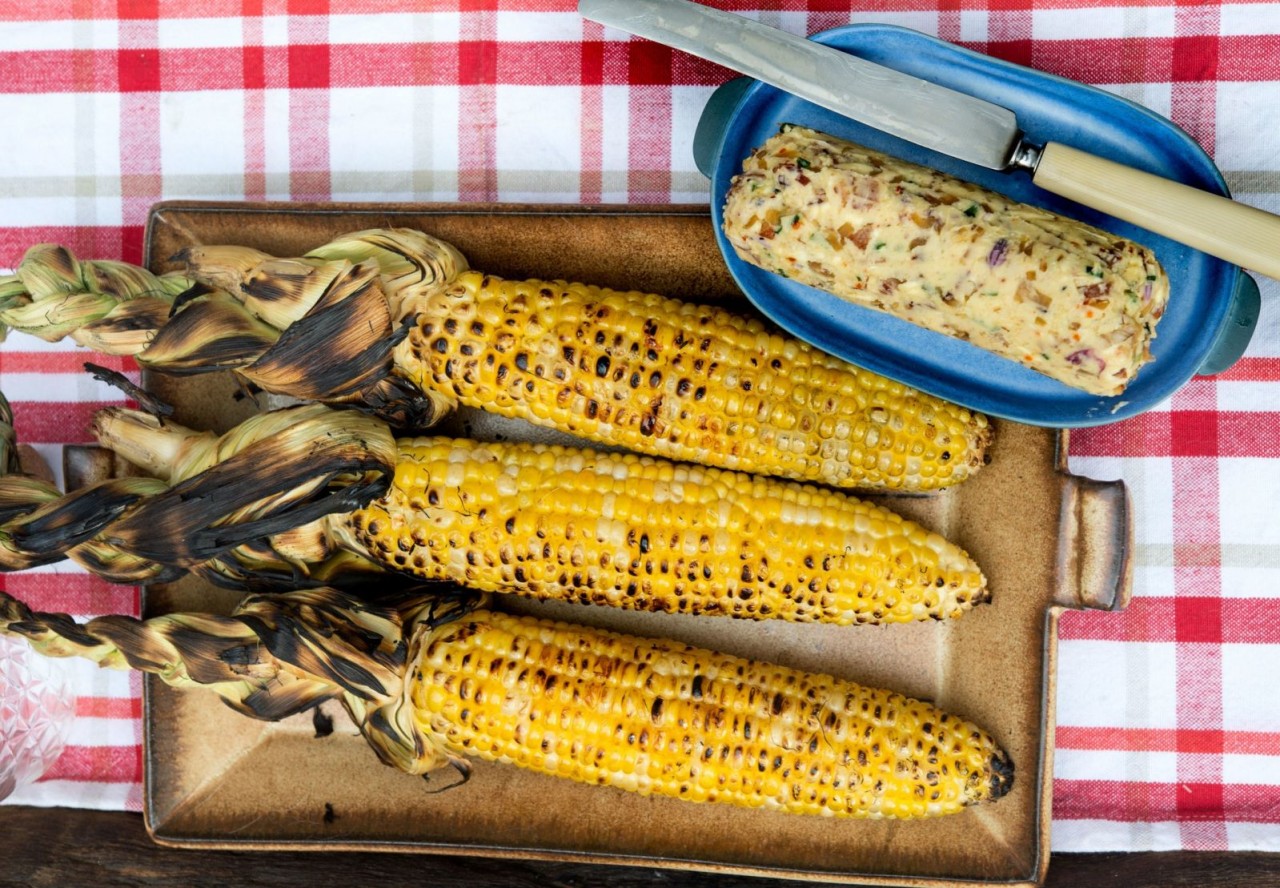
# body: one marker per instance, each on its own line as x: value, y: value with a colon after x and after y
x: 1095, y: 564
x: 1242, y: 318
x: 86, y: 464
x: 714, y: 121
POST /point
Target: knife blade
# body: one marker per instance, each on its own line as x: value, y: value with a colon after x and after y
x: 952, y: 123
x: 905, y: 106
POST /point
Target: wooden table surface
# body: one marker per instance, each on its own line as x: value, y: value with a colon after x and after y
x: 64, y: 848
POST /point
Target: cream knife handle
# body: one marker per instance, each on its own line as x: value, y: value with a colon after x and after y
x: 1213, y: 224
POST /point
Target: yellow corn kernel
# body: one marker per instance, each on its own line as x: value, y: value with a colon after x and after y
x: 659, y: 717
x: 684, y: 381
x: 629, y: 531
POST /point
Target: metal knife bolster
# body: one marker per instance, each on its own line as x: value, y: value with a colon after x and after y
x: 1025, y: 156
x: 925, y: 113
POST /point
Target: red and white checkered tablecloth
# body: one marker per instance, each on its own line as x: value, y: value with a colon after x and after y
x: 1169, y: 726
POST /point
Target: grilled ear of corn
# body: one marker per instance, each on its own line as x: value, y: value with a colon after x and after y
x: 647, y: 716
x: 639, y: 371
x: 663, y: 718
x: 633, y: 370
x: 572, y: 524
x: 642, y: 533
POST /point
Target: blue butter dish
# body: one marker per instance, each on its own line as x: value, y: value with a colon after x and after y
x: 1213, y: 305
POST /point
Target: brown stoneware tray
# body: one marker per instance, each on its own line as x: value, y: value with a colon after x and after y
x: 1047, y: 540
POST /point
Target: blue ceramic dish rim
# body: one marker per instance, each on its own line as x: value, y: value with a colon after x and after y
x: 1237, y: 289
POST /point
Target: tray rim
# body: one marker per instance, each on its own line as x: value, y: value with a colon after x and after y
x: 1039, y: 862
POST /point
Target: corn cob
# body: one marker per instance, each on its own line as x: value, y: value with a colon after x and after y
x: 677, y: 721
x: 636, y: 532
x: 393, y: 323
x: 683, y: 381
x: 565, y: 523
x: 646, y: 716
x: 1063, y: 298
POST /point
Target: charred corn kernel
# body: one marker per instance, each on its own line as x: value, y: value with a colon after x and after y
x: 619, y: 529
x: 683, y: 381
x: 661, y: 718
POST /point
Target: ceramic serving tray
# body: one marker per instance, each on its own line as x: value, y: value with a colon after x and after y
x: 1046, y: 539
x: 1213, y: 306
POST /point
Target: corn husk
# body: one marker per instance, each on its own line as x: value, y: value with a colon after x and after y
x: 311, y: 329
x: 53, y: 294
x: 274, y: 656
x: 214, y: 504
x: 273, y: 287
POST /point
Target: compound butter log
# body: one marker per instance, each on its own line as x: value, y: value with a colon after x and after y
x: 1064, y: 298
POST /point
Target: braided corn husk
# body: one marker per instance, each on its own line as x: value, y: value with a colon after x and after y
x: 321, y: 332
x: 275, y: 474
